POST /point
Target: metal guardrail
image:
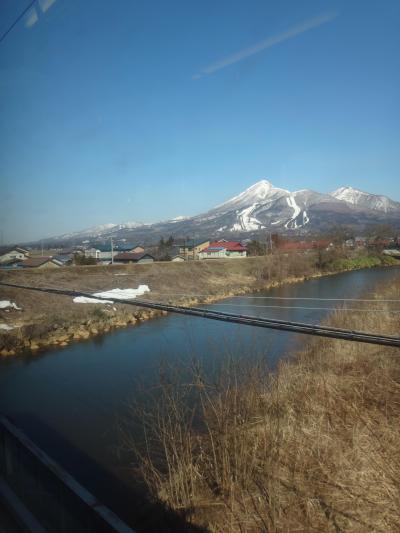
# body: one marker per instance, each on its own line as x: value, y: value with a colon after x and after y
x: 42, y: 495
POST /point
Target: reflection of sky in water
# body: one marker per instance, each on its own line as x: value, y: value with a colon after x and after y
x: 79, y: 390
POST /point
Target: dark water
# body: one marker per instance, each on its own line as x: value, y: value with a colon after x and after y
x: 69, y: 400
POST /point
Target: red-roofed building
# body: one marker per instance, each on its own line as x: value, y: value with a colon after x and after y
x: 223, y: 249
x: 295, y: 246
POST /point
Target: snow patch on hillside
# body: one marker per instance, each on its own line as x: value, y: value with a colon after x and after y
x: 236, y: 227
x: 7, y: 304
x: 178, y: 219
x: 116, y: 294
x: 291, y: 223
x: 248, y: 222
x: 6, y: 327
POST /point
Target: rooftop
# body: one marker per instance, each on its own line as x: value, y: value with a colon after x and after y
x: 130, y: 256
x: 37, y: 261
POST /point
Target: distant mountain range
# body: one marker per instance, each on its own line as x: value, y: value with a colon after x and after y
x: 260, y: 208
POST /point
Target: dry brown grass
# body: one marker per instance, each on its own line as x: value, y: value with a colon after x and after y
x: 314, y: 446
x: 45, y: 316
x: 168, y: 280
x: 181, y: 283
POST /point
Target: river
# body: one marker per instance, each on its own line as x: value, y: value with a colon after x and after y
x: 69, y: 399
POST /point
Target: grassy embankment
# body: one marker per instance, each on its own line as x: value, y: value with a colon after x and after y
x: 314, y: 446
x: 48, y: 319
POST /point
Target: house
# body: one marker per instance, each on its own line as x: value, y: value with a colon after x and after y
x: 127, y: 257
x: 101, y: 252
x: 64, y: 259
x: 41, y: 262
x: 92, y: 252
x: 7, y: 265
x: 192, y: 248
x: 131, y: 248
x: 223, y: 249
x: 177, y: 258
x: 15, y: 253
x: 381, y: 242
x: 360, y: 242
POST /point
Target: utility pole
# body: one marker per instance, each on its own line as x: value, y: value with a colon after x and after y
x: 41, y: 242
x: 112, y: 251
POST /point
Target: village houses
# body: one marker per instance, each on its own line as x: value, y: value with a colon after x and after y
x: 105, y: 252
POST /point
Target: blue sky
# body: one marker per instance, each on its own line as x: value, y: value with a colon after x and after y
x: 126, y: 110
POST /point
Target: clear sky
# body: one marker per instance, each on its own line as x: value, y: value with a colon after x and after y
x: 125, y: 110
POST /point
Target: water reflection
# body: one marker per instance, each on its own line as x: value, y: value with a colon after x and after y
x: 80, y: 390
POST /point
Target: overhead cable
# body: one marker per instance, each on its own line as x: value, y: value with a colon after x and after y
x: 16, y: 20
x: 282, y: 325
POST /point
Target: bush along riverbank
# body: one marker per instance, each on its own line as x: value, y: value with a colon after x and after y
x: 313, y: 446
x: 44, y: 320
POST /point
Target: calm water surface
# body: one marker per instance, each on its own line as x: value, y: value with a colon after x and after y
x: 69, y: 400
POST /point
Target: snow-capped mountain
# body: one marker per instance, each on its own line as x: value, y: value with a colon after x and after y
x: 88, y: 232
x: 260, y: 208
x: 261, y: 192
x: 98, y: 231
x: 365, y: 199
x: 263, y: 206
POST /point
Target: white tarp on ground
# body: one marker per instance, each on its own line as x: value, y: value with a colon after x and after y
x: 117, y: 294
x: 5, y: 304
x: 85, y: 300
x: 5, y: 327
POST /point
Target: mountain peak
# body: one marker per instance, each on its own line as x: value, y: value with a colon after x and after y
x: 260, y: 189
x: 363, y: 199
x: 346, y: 190
x: 263, y: 207
x: 259, y: 192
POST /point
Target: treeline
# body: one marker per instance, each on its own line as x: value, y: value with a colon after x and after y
x: 165, y: 248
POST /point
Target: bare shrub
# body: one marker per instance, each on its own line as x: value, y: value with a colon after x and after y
x: 313, y: 447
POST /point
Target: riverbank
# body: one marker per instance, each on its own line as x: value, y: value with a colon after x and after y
x: 312, y: 447
x: 45, y: 320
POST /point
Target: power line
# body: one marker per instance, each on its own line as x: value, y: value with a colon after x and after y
x: 94, y: 289
x: 376, y: 300
x: 17, y: 20
x: 282, y: 325
x: 312, y: 308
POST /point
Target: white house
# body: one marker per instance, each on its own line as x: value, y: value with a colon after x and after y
x: 101, y: 252
x: 14, y: 254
